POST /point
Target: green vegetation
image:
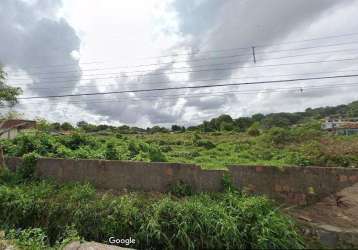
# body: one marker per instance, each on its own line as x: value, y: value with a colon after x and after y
x: 39, y: 214
x: 274, y: 139
x: 8, y: 95
x: 303, y: 145
x: 82, y: 146
x: 223, y: 123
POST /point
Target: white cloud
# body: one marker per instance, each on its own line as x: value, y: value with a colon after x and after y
x: 107, y: 35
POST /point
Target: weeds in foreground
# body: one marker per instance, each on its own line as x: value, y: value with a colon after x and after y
x: 45, y: 214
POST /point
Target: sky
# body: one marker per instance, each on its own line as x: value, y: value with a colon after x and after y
x: 66, y: 47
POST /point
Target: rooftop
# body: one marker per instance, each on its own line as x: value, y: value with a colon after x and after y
x: 17, y: 123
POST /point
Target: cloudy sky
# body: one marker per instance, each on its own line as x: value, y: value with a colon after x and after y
x: 64, y: 47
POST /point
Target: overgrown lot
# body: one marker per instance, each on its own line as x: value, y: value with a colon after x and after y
x: 302, y: 145
x: 41, y: 214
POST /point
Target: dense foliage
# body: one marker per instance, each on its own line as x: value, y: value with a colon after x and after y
x: 8, y: 95
x: 82, y: 146
x: 223, y: 122
x: 302, y: 145
x: 283, y: 120
x: 44, y: 213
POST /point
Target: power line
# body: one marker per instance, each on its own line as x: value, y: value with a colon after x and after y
x: 215, y: 69
x: 189, y: 87
x: 248, y: 47
x: 222, y: 93
x: 238, y: 62
x: 201, y: 59
x: 171, y: 82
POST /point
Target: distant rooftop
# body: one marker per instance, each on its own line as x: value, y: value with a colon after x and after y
x: 17, y: 123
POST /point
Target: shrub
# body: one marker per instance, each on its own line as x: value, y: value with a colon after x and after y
x: 227, y: 183
x: 180, y: 189
x: 36, y: 238
x: 254, y: 129
x: 32, y: 238
x: 146, y: 152
x: 185, y: 154
x: 166, y: 148
x: 111, y: 152
x: 205, y: 144
x: 279, y: 136
x: 196, y: 137
x: 27, y: 170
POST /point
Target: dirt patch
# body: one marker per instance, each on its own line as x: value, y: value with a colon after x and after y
x: 340, y: 210
x: 92, y: 246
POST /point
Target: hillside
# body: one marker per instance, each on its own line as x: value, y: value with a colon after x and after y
x: 221, y: 123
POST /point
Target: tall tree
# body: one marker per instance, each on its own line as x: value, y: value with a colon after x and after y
x: 8, y: 96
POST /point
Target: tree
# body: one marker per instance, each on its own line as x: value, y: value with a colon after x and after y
x: 257, y: 117
x: 8, y: 94
x: 254, y: 129
x: 177, y: 128
x: 43, y: 125
x: 226, y: 126
x: 66, y: 126
x: 243, y: 123
x: 82, y: 124
x: 216, y: 122
x: 56, y: 126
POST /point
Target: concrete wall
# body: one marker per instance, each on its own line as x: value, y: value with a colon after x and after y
x: 11, y: 134
x: 294, y: 185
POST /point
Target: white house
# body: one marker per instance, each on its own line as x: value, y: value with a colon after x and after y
x: 341, y: 126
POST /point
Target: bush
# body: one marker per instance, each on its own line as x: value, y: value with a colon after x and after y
x: 279, y: 136
x: 254, y: 129
x: 27, y: 170
x: 186, y: 154
x: 180, y: 189
x: 205, y: 144
x: 166, y: 148
x: 36, y: 238
x: 111, y: 152
x: 146, y: 152
x: 29, y: 238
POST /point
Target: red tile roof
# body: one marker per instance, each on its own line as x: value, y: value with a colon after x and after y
x: 349, y: 125
x: 23, y: 124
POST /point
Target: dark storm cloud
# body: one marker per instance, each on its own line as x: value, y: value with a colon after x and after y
x: 32, y: 34
x: 34, y: 38
x: 214, y: 24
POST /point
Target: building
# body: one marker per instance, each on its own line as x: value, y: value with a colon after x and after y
x: 11, y: 127
x: 341, y: 126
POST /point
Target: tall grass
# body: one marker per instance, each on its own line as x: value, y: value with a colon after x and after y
x: 204, y: 221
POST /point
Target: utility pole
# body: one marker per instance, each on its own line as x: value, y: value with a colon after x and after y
x: 253, y: 54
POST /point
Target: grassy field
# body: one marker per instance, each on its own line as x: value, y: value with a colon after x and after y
x: 302, y: 145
